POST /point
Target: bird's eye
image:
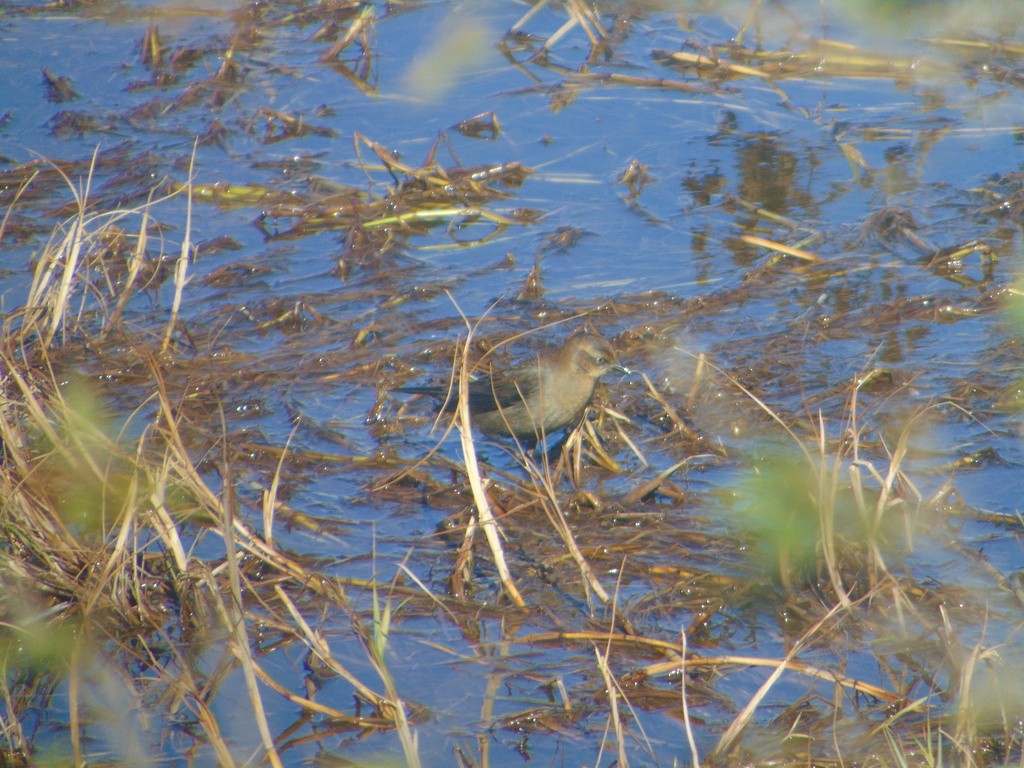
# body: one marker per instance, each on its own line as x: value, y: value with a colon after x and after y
x: 601, y: 361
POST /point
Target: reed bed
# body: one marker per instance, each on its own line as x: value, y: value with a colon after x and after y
x: 138, y: 546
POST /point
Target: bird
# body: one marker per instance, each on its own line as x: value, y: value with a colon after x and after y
x: 537, y: 398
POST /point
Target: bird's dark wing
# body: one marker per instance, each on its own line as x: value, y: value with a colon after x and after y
x: 488, y: 395
x: 441, y: 392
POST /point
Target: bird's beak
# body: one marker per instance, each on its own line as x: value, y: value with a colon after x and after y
x: 622, y: 369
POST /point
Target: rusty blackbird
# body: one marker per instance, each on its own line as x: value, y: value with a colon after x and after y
x: 539, y: 397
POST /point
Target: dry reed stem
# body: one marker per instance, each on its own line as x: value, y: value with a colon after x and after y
x: 613, y: 692
x: 729, y: 738
x: 700, y: 61
x: 181, y: 267
x: 74, y: 703
x: 789, y: 250
x: 22, y: 187
x: 617, y: 420
x: 462, y: 569
x: 612, y: 686
x: 49, y: 300
x: 134, y: 265
x: 162, y: 522
x: 117, y: 557
x: 675, y: 663
x: 234, y: 615
x: 828, y: 486
x: 681, y: 426
x: 478, y: 487
x: 534, y: 10
x: 374, y: 643
x: 644, y: 489
x: 38, y: 417
x: 594, y: 450
x: 687, y: 725
x: 10, y: 726
x: 268, y: 498
x: 72, y: 248
x: 544, y: 487
x: 307, y: 705
x: 544, y: 482
x: 319, y: 647
x: 358, y: 29
x: 965, y: 736
x: 477, y: 484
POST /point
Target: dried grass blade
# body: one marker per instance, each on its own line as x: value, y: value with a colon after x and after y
x: 134, y: 266
x: 181, y: 268
x: 789, y: 250
x: 654, y: 483
x: 306, y: 704
x: 613, y: 691
x: 687, y: 724
x: 728, y: 740
x: 234, y: 619
x: 320, y: 648
x: 478, y: 487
